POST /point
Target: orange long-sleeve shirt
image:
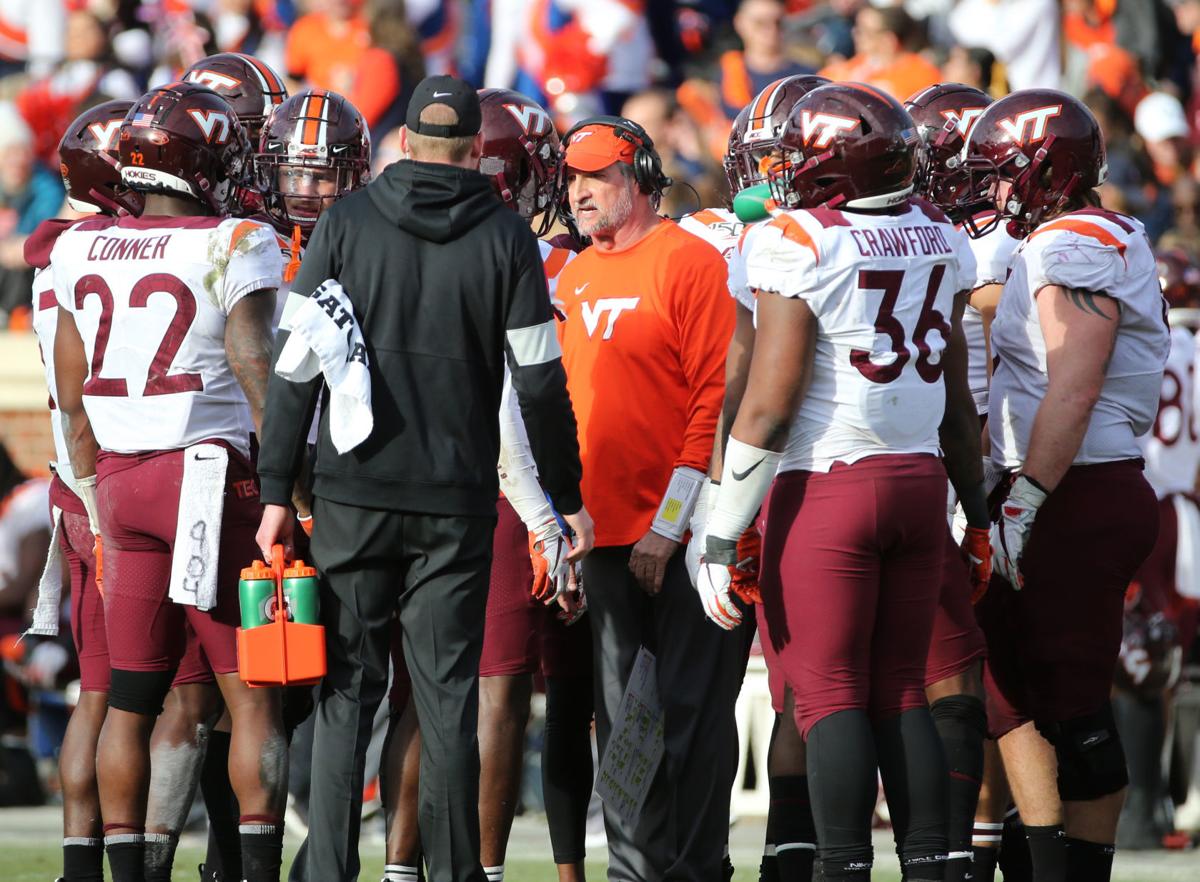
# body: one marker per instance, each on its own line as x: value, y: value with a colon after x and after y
x: 644, y: 344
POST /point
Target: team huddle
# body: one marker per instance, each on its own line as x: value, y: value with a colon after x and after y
x: 938, y: 354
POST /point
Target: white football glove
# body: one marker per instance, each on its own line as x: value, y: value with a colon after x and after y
x: 1010, y: 534
x: 699, y: 527
x: 714, y: 582
x: 548, y: 550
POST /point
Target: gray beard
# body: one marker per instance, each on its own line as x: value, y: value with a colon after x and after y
x: 612, y: 219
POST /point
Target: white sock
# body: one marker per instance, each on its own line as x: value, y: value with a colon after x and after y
x: 494, y: 874
x: 399, y: 873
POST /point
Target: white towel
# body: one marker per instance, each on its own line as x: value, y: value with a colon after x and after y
x: 198, y: 528
x: 1187, y: 549
x: 46, y: 613
x: 325, y: 338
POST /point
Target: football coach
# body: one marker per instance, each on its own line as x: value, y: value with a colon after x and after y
x: 447, y: 286
x: 648, y: 323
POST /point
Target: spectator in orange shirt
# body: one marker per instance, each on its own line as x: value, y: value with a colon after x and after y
x: 648, y: 320
x: 387, y: 72
x: 882, y: 57
x: 325, y: 46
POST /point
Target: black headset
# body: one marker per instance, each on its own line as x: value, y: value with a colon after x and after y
x: 647, y: 165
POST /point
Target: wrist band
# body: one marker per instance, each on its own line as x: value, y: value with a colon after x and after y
x: 675, y: 511
x: 745, y: 480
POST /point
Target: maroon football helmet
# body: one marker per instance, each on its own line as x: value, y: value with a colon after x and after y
x: 1046, y: 144
x: 755, y: 133
x: 184, y: 139
x: 845, y: 145
x: 87, y: 156
x: 1179, y: 278
x: 944, y: 115
x: 315, y: 148
x: 252, y: 89
x: 521, y: 155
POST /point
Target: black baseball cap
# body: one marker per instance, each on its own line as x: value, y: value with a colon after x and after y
x: 452, y: 92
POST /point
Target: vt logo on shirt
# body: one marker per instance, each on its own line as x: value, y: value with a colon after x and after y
x: 614, y: 306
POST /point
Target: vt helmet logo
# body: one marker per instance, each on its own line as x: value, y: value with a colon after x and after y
x: 819, y: 129
x: 533, y: 120
x: 963, y: 119
x: 1024, y: 128
x: 209, y: 121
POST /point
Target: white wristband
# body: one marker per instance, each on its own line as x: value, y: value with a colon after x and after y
x: 745, y: 480
x: 675, y: 511
x: 85, y: 489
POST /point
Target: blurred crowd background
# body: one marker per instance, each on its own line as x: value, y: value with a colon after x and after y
x: 682, y: 68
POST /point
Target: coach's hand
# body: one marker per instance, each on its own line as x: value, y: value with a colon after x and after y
x: 648, y: 562
x: 584, y: 539
x: 275, y: 529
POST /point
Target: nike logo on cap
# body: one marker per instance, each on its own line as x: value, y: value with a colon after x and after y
x: 442, y: 94
x: 741, y: 476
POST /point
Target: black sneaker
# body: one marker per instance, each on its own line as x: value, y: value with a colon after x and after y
x: 207, y: 875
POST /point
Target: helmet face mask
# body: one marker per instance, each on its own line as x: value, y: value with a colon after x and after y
x: 315, y: 148
x: 522, y: 157
x: 945, y: 114
x: 846, y: 145
x: 754, y: 138
x: 1046, y: 146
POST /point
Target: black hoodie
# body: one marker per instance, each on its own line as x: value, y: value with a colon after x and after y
x: 440, y: 275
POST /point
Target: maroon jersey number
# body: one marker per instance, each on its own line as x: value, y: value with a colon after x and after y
x: 158, y: 382
x: 886, y: 323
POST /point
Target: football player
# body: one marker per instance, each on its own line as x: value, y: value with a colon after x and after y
x: 88, y: 157
x: 753, y: 145
x: 857, y: 379
x: 524, y: 629
x: 163, y: 337
x: 1081, y: 338
x: 954, y: 670
x: 313, y: 148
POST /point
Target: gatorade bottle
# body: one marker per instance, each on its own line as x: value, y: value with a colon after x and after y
x: 256, y: 593
x: 300, y: 594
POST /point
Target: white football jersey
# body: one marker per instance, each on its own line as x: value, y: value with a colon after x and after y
x: 554, y: 259
x: 150, y: 297
x: 1172, y: 446
x: 45, y: 325
x: 719, y: 227
x: 993, y: 257
x: 882, y: 287
x: 739, y: 285
x: 1090, y: 250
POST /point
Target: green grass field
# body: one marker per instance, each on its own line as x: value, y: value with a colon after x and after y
x: 20, y: 863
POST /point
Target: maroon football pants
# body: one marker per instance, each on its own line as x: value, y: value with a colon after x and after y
x: 852, y: 571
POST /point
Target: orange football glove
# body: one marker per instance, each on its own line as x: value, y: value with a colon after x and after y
x: 977, y: 552
x: 306, y: 524
x: 98, y: 550
x: 548, y: 550
x: 744, y: 578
